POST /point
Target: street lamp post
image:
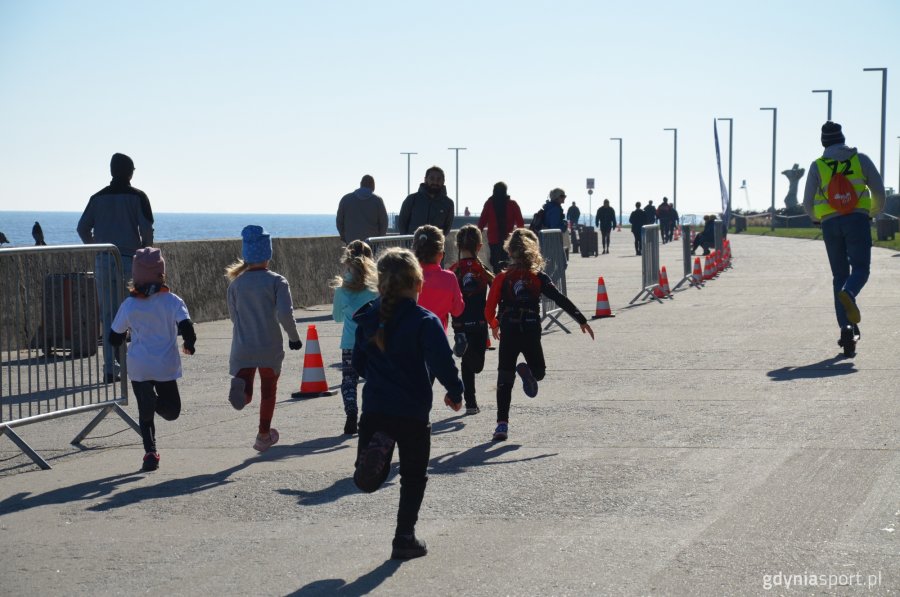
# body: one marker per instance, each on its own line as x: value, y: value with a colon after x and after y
x: 730, y: 146
x: 619, y: 139
x: 675, y: 172
x: 898, y: 174
x: 883, y: 112
x: 774, y: 137
x: 457, y: 150
x: 407, y: 154
x: 828, y: 91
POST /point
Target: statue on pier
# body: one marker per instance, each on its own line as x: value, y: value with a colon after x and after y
x: 793, y: 175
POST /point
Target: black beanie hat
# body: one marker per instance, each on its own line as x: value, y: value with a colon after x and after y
x: 121, y: 166
x: 831, y: 134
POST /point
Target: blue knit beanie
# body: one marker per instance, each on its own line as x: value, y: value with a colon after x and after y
x: 257, y: 244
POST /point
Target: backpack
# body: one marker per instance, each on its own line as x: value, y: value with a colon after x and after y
x: 537, y: 221
x: 841, y: 195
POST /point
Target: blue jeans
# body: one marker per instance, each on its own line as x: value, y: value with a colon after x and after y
x: 848, y: 240
x: 110, y: 284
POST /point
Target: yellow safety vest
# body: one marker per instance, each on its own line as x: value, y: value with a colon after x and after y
x: 854, y: 174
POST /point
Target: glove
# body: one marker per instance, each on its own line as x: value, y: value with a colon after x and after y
x: 460, y: 344
x: 295, y: 345
x: 454, y: 405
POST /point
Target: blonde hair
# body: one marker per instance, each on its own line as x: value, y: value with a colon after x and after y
x: 357, y: 258
x: 428, y: 243
x: 237, y: 268
x: 398, y: 272
x: 468, y: 238
x: 524, y: 250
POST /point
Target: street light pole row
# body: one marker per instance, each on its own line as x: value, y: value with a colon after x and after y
x: 411, y: 153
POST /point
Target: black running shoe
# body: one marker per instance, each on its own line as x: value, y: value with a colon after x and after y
x: 407, y: 547
x: 350, y: 426
x: 849, y: 336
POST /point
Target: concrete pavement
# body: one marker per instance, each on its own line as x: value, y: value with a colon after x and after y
x: 714, y: 444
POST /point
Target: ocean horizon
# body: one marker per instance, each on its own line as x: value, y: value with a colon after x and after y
x: 59, y: 226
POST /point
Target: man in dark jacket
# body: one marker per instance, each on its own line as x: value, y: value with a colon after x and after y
x: 637, y: 223
x: 605, y: 220
x: 429, y: 205
x: 361, y: 214
x: 120, y: 215
x: 666, y: 223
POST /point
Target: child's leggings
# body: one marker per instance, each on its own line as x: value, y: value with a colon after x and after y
x: 515, y: 340
x: 473, y: 361
x: 349, y: 381
x: 268, y: 381
x: 155, y: 397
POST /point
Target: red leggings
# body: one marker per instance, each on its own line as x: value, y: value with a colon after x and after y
x: 268, y: 386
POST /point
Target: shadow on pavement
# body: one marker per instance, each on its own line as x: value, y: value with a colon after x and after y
x: 89, y: 490
x: 363, y: 585
x: 827, y: 368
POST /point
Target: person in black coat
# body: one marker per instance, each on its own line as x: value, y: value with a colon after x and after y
x: 637, y: 223
x: 605, y: 220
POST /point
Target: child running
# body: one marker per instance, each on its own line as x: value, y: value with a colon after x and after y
x: 399, y: 346
x: 440, y: 294
x: 258, y: 301
x: 352, y: 290
x: 473, y: 278
x: 517, y: 290
x: 155, y: 317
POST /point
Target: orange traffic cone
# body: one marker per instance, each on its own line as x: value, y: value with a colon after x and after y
x: 603, y: 309
x: 313, y: 383
x: 697, y: 275
x: 662, y: 289
x: 709, y: 270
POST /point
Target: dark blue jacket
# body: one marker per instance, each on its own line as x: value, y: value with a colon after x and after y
x: 553, y: 216
x: 397, y: 380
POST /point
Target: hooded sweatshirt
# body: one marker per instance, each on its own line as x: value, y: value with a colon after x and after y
x: 423, y: 208
x: 840, y: 151
x: 397, y: 380
x: 119, y: 214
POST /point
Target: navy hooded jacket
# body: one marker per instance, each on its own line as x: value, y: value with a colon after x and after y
x: 397, y: 380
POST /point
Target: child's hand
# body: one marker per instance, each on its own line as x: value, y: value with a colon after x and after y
x: 186, y: 350
x: 454, y: 406
x: 586, y: 329
x: 495, y: 332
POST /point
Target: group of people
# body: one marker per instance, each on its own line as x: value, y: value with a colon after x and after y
x: 396, y: 312
x: 665, y: 214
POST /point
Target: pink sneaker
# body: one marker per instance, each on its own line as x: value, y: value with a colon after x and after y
x: 264, y: 443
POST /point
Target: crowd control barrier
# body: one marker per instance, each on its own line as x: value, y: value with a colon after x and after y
x: 380, y: 243
x: 687, y: 251
x: 404, y: 241
x: 51, y: 357
x: 555, y: 267
x: 649, y: 263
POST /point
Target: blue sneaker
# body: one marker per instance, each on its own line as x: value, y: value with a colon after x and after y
x: 501, y: 432
x: 529, y: 383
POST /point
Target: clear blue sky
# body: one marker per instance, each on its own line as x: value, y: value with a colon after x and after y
x: 281, y: 106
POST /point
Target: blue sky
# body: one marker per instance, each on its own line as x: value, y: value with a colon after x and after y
x: 280, y: 107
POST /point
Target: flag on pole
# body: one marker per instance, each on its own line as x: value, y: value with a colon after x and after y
x: 726, y: 214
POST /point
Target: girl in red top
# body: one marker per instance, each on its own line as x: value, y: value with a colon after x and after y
x: 474, y: 279
x: 440, y: 292
x: 517, y: 291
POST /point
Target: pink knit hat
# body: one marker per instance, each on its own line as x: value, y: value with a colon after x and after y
x: 148, y: 266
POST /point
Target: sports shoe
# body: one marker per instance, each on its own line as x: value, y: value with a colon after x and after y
x: 264, y: 443
x: 350, y: 426
x: 374, y: 462
x: 472, y: 410
x: 849, y: 337
x: 407, y: 547
x: 237, y: 395
x: 501, y: 432
x: 151, y: 461
x: 460, y: 344
x: 850, y: 308
x: 529, y: 383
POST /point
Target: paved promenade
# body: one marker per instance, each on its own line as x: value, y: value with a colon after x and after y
x: 716, y: 444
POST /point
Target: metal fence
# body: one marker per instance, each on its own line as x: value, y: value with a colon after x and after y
x: 55, y: 301
x: 649, y: 263
x: 687, y: 251
x: 554, y: 266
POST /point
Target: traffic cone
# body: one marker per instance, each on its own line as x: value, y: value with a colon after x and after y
x: 662, y: 289
x: 313, y: 382
x: 697, y: 275
x: 709, y: 270
x: 717, y: 262
x: 603, y: 309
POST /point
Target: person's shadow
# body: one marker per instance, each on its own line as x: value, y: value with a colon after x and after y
x: 363, y: 585
x: 827, y: 368
x: 88, y: 490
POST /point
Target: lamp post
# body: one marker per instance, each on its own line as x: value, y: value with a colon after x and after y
x: 774, y: 133
x: 730, y: 146
x: 898, y: 174
x: 675, y: 172
x: 883, y: 112
x: 407, y: 154
x: 828, y: 91
x: 457, y: 150
x: 619, y: 139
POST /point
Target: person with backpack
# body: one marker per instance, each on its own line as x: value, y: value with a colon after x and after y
x: 843, y: 191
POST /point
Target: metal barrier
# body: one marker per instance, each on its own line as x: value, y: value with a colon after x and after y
x: 50, y: 333
x: 687, y: 251
x: 554, y: 266
x: 649, y: 263
x: 380, y: 243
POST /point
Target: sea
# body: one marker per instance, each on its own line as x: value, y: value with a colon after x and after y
x: 59, y: 226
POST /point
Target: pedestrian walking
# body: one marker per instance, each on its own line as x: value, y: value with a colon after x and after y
x: 636, y: 219
x: 361, y: 214
x: 605, y: 220
x: 429, y: 205
x: 500, y: 215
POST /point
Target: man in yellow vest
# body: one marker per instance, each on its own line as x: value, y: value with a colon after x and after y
x: 843, y: 191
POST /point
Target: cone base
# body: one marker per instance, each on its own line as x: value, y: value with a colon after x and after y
x: 313, y: 394
x: 602, y: 316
